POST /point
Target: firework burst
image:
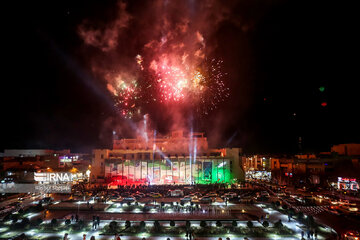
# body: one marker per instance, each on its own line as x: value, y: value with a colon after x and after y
x: 126, y: 94
x: 201, y: 88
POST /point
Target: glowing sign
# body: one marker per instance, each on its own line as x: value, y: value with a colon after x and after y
x: 64, y: 159
x: 340, y: 179
x: 54, y: 177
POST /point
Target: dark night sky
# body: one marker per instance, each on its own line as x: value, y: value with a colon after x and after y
x: 49, y: 98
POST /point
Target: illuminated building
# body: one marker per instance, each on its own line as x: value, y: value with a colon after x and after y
x: 314, y: 169
x: 173, y: 159
x: 256, y: 163
x: 19, y: 165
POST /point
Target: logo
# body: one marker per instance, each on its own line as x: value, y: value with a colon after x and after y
x: 54, y: 177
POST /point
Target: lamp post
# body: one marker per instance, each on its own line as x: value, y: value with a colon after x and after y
x: 88, y: 172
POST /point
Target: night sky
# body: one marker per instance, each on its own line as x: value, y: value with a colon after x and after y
x: 285, y: 60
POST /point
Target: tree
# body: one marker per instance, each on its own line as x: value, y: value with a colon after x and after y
x: 266, y: 224
x: 234, y: 223
x: 39, y: 221
x: 310, y: 221
x: 278, y: 224
x: 172, y: 223
x: 203, y: 224
x: 14, y: 219
x: 7, y: 217
x: 142, y: 225
x: 157, y: 225
x: 218, y: 223
x: 188, y: 224
x: 81, y: 223
x: 127, y: 224
x: 53, y: 221
x: 25, y: 221
x: 249, y: 224
x: 300, y: 215
x: 113, y: 225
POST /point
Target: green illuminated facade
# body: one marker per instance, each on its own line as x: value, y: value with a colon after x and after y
x: 172, y: 170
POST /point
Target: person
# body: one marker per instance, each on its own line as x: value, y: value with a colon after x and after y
x: 76, y: 218
x: 315, y: 233
x: 117, y: 237
x: 302, y: 234
x: 84, y: 237
x: 66, y: 236
x: 98, y: 221
x: 227, y: 238
x: 92, y: 238
x: 72, y: 218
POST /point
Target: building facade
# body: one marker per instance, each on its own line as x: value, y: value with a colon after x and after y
x: 173, y: 159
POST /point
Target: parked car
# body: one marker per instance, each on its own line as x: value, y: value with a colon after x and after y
x: 185, y: 199
x: 206, y: 199
x: 176, y: 193
x: 156, y: 195
x: 212, y: 194
x: 128, y: 200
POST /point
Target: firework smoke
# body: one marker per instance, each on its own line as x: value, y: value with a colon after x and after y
x: 158, y: 59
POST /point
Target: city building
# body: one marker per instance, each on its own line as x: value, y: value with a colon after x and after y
x: 174, y: 159
x: 323, y: 169
x: 19, y: 165
x: 348, y: 149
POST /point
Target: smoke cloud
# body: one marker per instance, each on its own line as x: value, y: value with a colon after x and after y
x: 142, y: 44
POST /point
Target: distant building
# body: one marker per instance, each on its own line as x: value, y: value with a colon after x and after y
x: 348, y: 149
x: 256, y: 163
x: 313, y: 169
